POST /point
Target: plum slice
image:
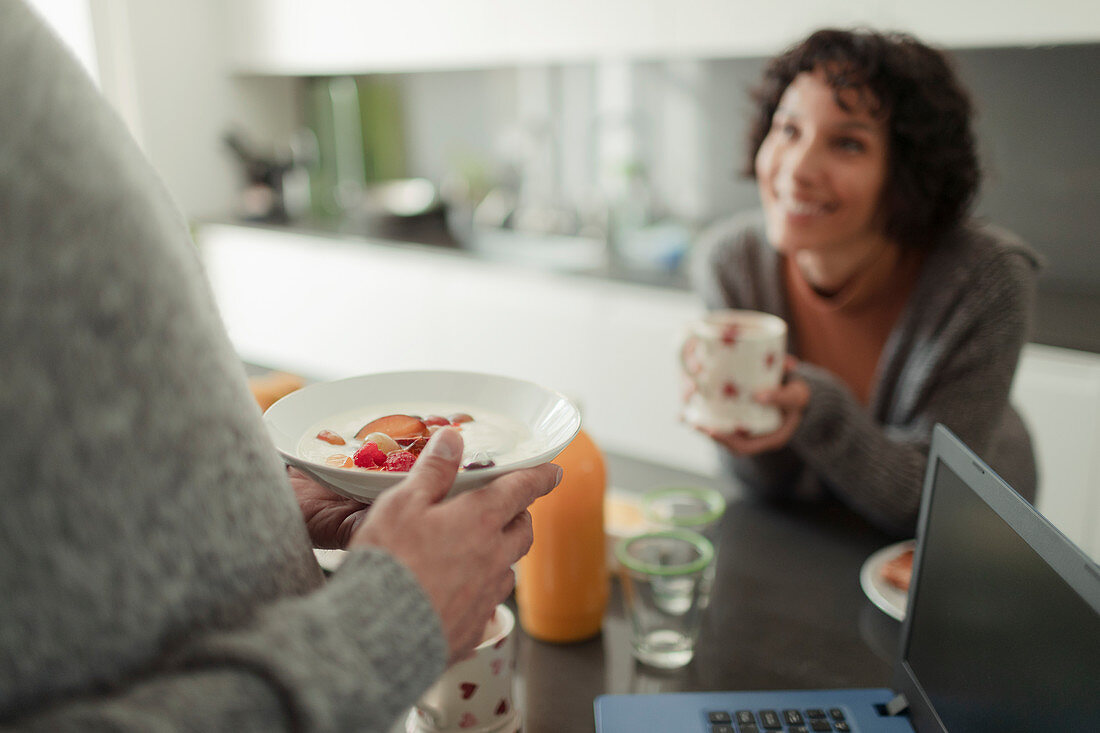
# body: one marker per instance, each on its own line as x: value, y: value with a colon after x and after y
x: 398, y: 427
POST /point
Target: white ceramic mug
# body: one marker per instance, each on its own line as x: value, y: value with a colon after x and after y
x: 726, y: 358
x: 474, y: 695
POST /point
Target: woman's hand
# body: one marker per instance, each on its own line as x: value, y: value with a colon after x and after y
x: 790, y: 398
x: 330, y: 518
x: 461, y: 548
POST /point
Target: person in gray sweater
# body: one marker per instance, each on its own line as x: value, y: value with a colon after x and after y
x: 902, y: 310
x: 156, y: 571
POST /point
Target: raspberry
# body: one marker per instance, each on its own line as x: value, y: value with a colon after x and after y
x: 369, y: 456
x: 399, y: 460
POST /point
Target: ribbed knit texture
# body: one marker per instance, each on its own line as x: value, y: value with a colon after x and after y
x: 155, y: 573
x: 950, y: 358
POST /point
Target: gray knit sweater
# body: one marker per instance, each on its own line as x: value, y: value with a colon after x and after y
x: 155, y: 572
x: 950, y: 358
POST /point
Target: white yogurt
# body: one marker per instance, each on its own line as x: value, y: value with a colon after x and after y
x: 490, y: 434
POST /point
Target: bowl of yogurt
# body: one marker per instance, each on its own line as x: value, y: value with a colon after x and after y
x: 505, y: 422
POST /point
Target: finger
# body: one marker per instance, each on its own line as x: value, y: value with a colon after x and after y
x: 434, y: 472
x: 794, y: 395
x: 723, y: 437
x: 512, y: 493
x: 353, y: 521
x: 519, y: 534
x: 754, y: 444
x: 507, y: 585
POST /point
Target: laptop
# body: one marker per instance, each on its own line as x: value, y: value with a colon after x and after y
x: 1001, y: 632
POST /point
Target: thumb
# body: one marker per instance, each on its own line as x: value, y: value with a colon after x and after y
x: 434, y: 471
x: 793, y: 395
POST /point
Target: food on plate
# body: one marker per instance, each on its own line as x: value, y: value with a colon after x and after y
x: 399, y: 427
x: 330, y: 437
x: 392, y: 439
x: 899, y: 570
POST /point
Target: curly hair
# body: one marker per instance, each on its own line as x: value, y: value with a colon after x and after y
x: 934, y: 173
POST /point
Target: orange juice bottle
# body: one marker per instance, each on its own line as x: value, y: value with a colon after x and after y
x: 562, y: 583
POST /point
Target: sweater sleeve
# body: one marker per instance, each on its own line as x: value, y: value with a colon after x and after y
x: 961, y: 368
x: 335, y: 660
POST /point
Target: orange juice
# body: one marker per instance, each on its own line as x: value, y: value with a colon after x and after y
x: 562, y: 584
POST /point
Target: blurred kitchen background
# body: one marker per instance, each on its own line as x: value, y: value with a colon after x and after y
x: 576, y: 134
x: 494, y: 174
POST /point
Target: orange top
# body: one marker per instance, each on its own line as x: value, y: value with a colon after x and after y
x: 846, y: 331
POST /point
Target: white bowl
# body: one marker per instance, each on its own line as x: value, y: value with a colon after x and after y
x: 552, y: 419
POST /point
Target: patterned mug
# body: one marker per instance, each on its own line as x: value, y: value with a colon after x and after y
x: 474, y: 695
x: 726, y: 358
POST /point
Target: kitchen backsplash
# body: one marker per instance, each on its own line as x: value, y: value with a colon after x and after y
x: 572, y: 129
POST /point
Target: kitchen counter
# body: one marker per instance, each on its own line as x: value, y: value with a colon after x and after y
x: 1064, y: 317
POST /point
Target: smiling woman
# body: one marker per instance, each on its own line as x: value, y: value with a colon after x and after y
x: 902, y: 311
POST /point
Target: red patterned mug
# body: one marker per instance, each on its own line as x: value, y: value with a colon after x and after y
x: 726, y: 358
x: 475, y: 695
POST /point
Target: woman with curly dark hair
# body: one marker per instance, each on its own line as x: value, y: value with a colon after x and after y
x: 902, y: 310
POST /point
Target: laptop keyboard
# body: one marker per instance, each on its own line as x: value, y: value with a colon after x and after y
x: 771, y: 721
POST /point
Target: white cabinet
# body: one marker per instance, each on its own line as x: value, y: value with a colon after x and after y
x: 359, y: 36
x: 1058, y: 393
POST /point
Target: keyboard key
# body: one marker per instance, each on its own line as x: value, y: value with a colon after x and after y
x: 718, y: 716
x: 815, y: 713
x: 819, y: 724
x: 745, y: 716
x: 748, y: 728
x: 721, y: 728
x: 798, y: 729
x: 793, y: 717
x: 769, y: 720
x: 841, y: 726
x: 836, y: 713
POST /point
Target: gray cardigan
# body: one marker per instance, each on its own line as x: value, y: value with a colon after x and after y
x: 155, y: 572
x: 950, y: 358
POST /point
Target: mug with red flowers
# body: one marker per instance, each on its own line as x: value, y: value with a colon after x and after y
x: 726, y: 358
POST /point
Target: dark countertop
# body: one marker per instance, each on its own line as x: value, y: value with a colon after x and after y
x: 787, y: 613
x: 1064, y: 316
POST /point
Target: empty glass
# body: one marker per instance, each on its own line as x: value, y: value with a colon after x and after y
x: 692, y: 508
x: 664, y: 586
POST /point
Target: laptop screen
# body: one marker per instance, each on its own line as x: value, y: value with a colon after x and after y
x: 997, y: 640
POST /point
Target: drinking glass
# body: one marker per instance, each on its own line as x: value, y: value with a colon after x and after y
x: 664, y: 584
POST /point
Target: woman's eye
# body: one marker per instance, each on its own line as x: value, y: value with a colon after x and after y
x: 786, y: 129
x: 850, y: 144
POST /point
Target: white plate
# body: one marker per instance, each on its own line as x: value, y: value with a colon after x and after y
x: 888, y: 598
x: 552, y: 419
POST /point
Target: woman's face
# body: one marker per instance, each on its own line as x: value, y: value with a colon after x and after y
x: 821, y: 170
